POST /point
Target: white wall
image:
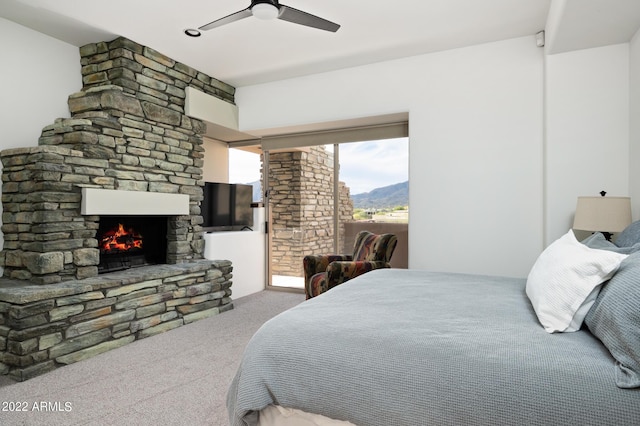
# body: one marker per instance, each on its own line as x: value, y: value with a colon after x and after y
x: 475, y: 150
x: 246, y: 251
x: 37, y: 75
x: 634, y: 125
x: 216, y: 161
x: 587, y: 140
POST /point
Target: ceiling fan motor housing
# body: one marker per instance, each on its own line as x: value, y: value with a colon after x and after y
x: 265, y: 9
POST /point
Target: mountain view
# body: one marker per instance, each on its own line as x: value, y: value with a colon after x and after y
x: 379, y: 198
x: 385, y: 197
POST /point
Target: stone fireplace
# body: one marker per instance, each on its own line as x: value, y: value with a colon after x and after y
x: 101, y: 221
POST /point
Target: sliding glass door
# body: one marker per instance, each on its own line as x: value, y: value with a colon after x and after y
x: 375, y: 177
x: 319, y: 197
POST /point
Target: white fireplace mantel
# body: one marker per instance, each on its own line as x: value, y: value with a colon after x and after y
x: 96, y: 201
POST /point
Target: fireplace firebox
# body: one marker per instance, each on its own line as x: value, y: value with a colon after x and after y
x: 131, y: 241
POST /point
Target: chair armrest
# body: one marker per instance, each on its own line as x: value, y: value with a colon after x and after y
x: 340, y: 271
x: 313, y: 264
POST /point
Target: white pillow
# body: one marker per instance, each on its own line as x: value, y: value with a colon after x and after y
x: 565, y: 281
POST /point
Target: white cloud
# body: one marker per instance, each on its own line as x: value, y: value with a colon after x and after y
x: 368, y: 165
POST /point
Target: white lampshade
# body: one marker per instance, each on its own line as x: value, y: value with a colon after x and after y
x: 265, y: 11
x: 602, y: 214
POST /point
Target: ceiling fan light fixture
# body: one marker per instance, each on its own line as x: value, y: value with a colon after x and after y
x: 265, y: 11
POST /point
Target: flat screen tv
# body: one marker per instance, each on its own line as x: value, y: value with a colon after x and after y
x: 227, y: 207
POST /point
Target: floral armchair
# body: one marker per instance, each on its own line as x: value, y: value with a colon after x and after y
x: 370, y: 251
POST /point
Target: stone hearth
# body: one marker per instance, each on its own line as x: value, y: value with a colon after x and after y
x: 48, y: 326
x: 127, y: 132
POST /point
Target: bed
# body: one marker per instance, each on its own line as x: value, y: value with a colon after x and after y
x: 409, y: 347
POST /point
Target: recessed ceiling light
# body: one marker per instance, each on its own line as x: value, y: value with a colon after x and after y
x: 192, y: 33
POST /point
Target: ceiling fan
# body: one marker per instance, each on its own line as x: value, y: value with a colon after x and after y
x: 272, y: 9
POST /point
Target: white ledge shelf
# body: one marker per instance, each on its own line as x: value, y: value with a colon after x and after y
x: 96, y: 201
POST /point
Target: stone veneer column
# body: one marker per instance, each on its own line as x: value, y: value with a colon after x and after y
x: 127, y: 131
x: 301, y: 192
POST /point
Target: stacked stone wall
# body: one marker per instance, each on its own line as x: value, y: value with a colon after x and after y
x: 45, y: 327
x: 345, y: 215
x: 301, y: 193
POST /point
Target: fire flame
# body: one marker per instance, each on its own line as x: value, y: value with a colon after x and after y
x: 120, y: 239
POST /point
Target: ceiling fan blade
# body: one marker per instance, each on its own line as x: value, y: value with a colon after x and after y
x: 303, y: 18
x: 245, y: 13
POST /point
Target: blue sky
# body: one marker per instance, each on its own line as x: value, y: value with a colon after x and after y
x: 368, y: 165
x: 363, y: 165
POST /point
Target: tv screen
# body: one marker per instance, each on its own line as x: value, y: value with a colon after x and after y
x: 227, y: 206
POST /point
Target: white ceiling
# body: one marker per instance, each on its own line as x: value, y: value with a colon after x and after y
x: 583, y: 24
x: 251, y: 51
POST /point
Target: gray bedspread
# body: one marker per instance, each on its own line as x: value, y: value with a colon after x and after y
x: 406, y: 347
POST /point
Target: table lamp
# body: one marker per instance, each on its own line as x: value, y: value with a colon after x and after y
x: 602, y: 214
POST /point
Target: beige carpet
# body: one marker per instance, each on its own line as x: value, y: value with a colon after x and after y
x: 179, y: 377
